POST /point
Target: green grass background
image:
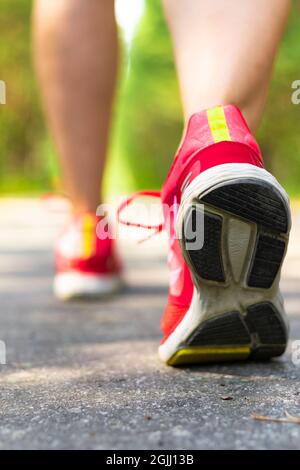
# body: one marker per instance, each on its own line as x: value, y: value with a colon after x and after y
x: 148, y: 118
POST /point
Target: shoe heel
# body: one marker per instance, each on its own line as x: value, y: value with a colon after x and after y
x: 236, y: 272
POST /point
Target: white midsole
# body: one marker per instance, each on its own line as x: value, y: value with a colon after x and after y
x: 75, y: 284
x: 207, y: 301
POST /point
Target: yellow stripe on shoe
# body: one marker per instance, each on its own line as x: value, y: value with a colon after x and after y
x: 88, y: 236
x: 218, y: 124
x: 204, y: 354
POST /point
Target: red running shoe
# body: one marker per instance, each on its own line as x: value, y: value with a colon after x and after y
x: 224, y: 300
x: 86, y: 264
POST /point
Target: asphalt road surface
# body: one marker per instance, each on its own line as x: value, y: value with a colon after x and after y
x: 87, y: 376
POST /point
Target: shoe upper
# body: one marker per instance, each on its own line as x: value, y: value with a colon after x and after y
x: 213, y: 137
x: 86, y: 245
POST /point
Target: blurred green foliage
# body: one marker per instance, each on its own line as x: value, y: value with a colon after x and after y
x: 149, y: 119
x: 22, y: 132
x: 279, y: 133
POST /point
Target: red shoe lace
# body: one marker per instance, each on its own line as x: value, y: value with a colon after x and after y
x: 157, y: 228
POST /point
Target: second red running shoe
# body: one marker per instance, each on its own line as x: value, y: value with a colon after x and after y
x: 86, y: 261
x: 224, y: 300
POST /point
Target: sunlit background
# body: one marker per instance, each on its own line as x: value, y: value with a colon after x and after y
x: 129, y: 13
x: 148, y: 118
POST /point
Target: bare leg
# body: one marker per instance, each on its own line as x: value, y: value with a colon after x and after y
x: 76, y: 54
x: 225, y: 50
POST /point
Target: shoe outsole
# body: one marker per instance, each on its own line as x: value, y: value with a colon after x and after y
x: 257, y: 329
x: 207, y: 261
